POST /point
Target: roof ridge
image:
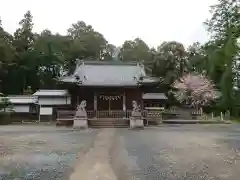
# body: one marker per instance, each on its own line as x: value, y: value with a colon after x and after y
x: 91, y: 62
x: 20, y: 96
x: 51, y: 90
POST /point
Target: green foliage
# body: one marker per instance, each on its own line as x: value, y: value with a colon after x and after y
x: 92, y: 43
x: 4, y: 103
x: 225, y: 16
x: 219, y: 57
x: 37, y: 60
x: 169, y: 62
x: 223, y: 58
x: 136, y: 50
x: 5, y: 118
x: 5, y: 110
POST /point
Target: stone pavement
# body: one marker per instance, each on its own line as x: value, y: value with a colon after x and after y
x: 94, y: 165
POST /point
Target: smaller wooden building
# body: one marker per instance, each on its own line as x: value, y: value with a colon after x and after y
x: 23, y: 107
x: 156, y: 100
x: 23, y: 103
x: 49, y: 101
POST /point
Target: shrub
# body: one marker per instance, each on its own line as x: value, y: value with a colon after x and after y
x: 5, y: 110
x: 5, y: 118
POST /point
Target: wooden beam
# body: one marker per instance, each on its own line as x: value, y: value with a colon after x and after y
x: 95, y: 101
x: 124, y: 101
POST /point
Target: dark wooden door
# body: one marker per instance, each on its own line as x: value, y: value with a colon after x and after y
x: 110, y: 101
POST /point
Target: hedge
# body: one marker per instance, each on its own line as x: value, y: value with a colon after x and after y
x: 5, y: 118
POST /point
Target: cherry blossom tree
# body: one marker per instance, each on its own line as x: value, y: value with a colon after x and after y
x: 194, y: 90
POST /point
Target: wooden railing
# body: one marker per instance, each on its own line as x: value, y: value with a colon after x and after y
x: 152, y: 114
x: 113, y: 114
x: 64, y: 114
x: 95, y: 114
x: 181, y: 111
x: 147, y: 114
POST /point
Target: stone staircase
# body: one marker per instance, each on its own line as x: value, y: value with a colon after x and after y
x: 108, y: 123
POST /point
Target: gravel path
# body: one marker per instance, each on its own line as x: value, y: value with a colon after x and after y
x: 95, y: 164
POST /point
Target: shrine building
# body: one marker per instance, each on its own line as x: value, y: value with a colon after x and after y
x: 111, y: 86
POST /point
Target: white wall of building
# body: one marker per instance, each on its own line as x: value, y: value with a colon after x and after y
x: 46, y: 111
x: 54, y: 100
x: 21, y: 108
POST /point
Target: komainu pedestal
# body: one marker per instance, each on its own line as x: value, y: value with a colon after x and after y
x: 80, y: 119
x: 136, y: 120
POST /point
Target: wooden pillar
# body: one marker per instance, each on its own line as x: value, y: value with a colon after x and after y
x: 78, y: 100
x: 124, y: 101
x: 142, y: 104
x: 95, y: 101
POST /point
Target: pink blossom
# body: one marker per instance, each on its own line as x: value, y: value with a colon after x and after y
x: 194, y: 90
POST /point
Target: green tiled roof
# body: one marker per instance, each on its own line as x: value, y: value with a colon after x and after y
x: 107, y: 73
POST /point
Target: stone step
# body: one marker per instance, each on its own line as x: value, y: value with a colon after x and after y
x: 109, y: 126
x: 103, y: 126
x: 108, y: 123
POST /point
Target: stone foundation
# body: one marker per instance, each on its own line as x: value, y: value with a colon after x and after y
x: 136, y: 121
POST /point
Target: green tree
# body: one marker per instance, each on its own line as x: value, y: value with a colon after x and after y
x: 6, y: 56
x: 23, y: 42
x: 224, y: 27
x: 49, y: 49
x: 92, y: 44
x: 196, y: 58
x: 225, y: 17
x: 170, y: 62
x: 136, y: 50
x: 110, y: 53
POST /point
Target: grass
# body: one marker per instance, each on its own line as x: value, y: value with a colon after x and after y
x: 235, y: 121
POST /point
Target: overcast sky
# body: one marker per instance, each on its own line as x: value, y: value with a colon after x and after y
x: 154, y: 21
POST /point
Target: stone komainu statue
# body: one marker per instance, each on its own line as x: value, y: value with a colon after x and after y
x: 81, y: 111
x: 136, y: 118
x: 136, y: 107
